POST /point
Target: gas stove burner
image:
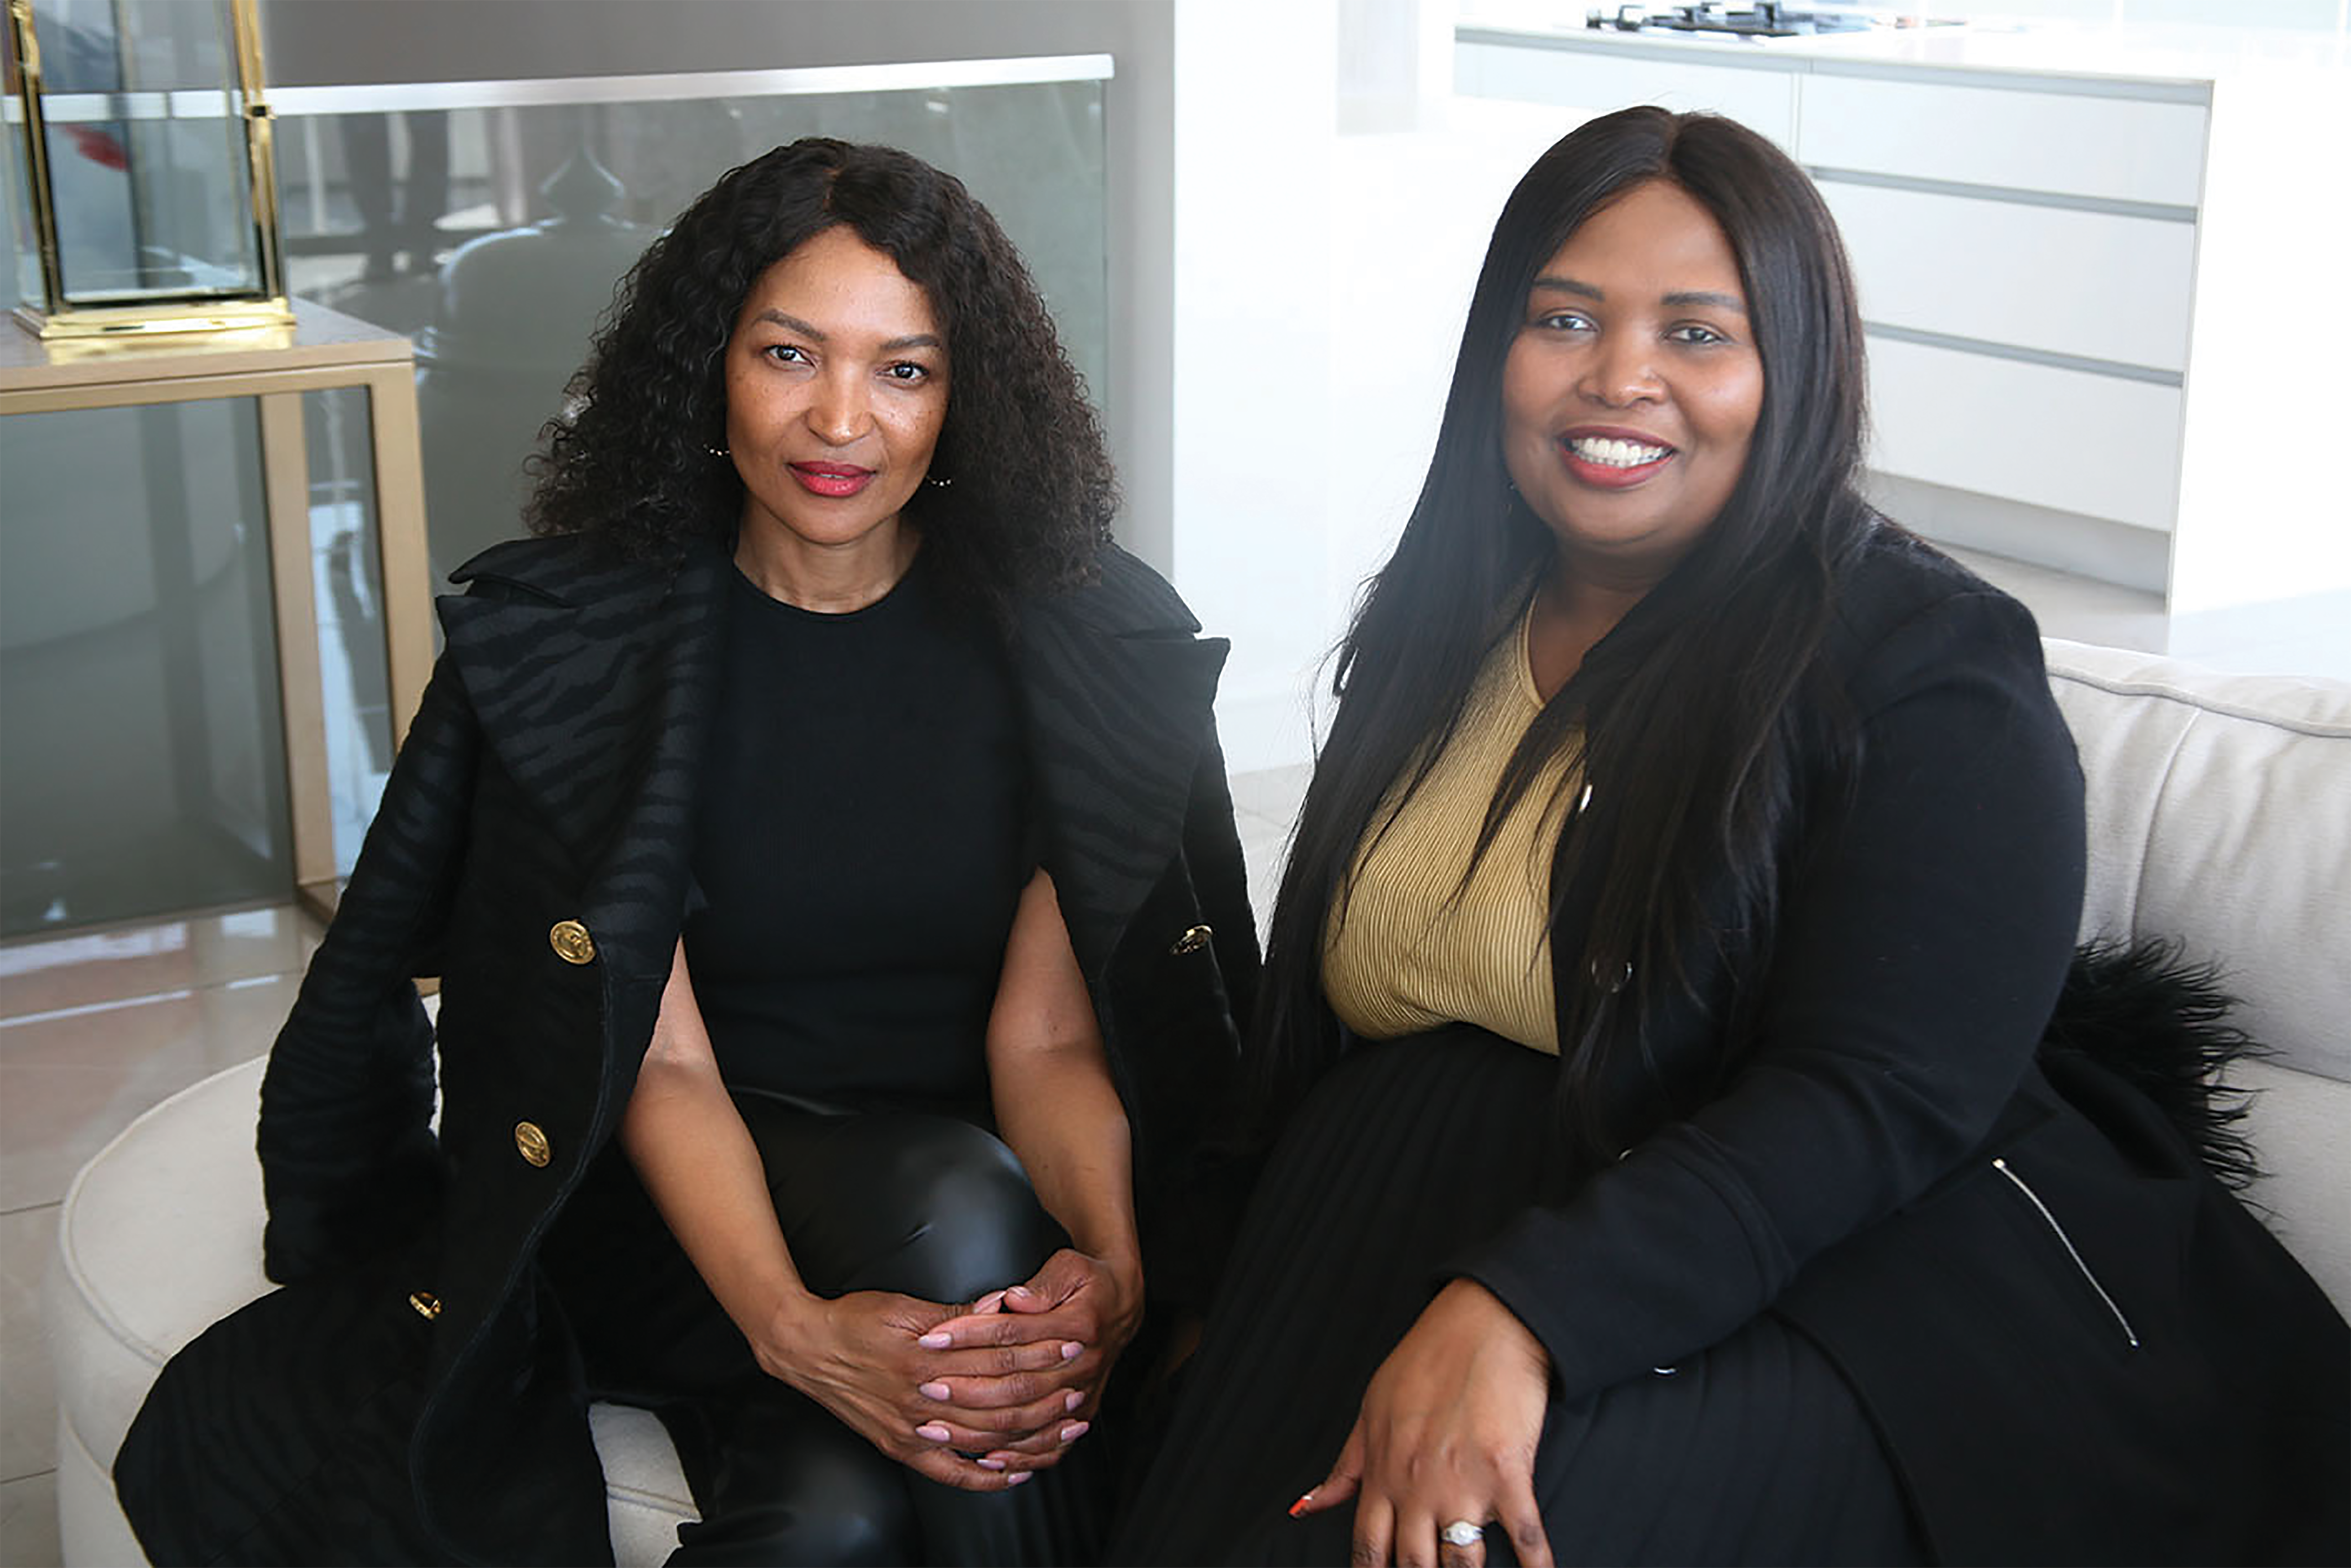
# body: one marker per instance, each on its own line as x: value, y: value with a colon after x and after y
x: 1762, y: 19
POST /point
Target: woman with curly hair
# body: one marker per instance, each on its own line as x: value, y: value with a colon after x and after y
x: 820, y: 834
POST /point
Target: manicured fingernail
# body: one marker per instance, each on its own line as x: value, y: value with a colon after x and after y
x: 988, y: 1302
x: 935, y: 1391
x: 1075, y: 1430
x: 1023, y: 1292
x: 935, y: 1339
x: 989, y: 1464
x: 933, y: 1431
x: 1015, y: 1480
x: 1300, y: 1506
x: 1072, y: 1399
x: 1071, y: 1350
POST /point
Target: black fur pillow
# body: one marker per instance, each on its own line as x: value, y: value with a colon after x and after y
x: 2150, y: 1016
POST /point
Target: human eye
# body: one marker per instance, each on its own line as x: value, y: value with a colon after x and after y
x: 908, y: 371
x: 784, y: 353
x: 1695, y: 334
x: 1563, y: 320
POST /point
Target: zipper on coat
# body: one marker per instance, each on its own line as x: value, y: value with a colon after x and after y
x: 2066, y: 1241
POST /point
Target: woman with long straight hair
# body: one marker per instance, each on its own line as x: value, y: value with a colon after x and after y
x: 1666, y: 1163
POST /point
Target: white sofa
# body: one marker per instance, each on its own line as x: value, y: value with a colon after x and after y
x: 2220, y: 812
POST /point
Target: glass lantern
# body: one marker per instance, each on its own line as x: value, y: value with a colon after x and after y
x: 142, y: 185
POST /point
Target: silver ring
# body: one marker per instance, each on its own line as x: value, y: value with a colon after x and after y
x: 1462, y: 1532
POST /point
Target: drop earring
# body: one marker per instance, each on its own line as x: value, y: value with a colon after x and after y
x: 714, y: 451
x: 937, y: 481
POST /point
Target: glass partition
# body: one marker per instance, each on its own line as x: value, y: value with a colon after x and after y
x: 345, y: 566
x: 143, y: 761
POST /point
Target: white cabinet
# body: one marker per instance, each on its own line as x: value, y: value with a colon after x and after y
x: 2095, y: 286
x: 2078, y: 144
x: 2046, y: 435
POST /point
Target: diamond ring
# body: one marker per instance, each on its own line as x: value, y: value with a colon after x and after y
x: 1462, y: 1532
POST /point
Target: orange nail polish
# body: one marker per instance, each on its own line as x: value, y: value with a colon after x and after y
x: 1300, y: 1506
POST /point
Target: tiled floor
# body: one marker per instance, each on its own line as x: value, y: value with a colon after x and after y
x: 96, y: 1026
x: 2307, y: 636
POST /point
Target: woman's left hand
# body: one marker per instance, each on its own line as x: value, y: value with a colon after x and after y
x: 1089, y: 1306
x: 1447, y: 1435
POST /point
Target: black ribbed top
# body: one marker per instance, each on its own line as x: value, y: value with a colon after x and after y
x: 860, y: 848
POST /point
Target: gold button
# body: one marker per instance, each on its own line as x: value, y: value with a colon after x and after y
x: 1192, y: 941
x: 427, y: 1304
x: 571, y: 942
x: 531, y: 1144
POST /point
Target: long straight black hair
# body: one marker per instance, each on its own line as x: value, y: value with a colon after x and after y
x: 1687, y: 713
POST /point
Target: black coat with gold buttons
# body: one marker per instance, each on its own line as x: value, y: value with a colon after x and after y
x: 531, y: 851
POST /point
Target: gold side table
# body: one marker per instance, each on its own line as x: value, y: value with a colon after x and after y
x: 274, y: 366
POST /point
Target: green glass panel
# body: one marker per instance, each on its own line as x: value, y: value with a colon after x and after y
x: 141, y: 754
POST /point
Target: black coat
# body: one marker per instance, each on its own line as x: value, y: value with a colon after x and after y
x: 2088, y: 1347
x: 532, y: 849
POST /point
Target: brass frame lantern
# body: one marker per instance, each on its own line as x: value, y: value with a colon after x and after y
x: 257, y: 301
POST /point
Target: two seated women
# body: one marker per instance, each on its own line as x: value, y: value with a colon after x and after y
x: 853, y: 1046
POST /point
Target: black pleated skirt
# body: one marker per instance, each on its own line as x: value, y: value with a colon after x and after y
x: 1406, y: 1153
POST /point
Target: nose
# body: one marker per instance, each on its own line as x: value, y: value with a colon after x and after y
x: 839, y: 411
x: 1621, y: 372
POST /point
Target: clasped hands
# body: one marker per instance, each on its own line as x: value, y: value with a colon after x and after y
x: 980, y: 1395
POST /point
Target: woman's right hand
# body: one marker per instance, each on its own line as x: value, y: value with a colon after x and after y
x: 859, y: 1356
x: 1447, y: 1435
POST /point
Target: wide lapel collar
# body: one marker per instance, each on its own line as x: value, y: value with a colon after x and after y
x: 593, y: 682
x: 1120, y: 692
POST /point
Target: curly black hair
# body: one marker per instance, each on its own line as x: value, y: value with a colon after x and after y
x: 631, y: 464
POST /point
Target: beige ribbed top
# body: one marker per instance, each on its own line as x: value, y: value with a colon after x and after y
x: 1409, y: 955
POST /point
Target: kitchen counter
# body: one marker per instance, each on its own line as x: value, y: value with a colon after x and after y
x: 2138, y: 53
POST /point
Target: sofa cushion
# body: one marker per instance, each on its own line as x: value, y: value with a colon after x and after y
x: 2220, y: 815
x: 159, y: 1236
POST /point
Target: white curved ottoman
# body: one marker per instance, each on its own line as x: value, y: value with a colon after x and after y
x: 159, y: 1237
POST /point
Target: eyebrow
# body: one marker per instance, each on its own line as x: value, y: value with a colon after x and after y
x: 808, y: 330
x: 1707, y: 297
x: 1679, y: 298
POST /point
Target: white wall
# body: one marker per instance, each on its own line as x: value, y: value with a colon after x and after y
x: 1320, y: 280
x: 1256, y: 129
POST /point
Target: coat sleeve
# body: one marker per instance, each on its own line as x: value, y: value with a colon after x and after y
x: 349, y: 1163
x: 1925, y: 932
x: 1207, y: 1191
x: 1212, y: 845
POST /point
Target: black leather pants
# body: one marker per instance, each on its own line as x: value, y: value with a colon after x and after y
x: 927, y: 1206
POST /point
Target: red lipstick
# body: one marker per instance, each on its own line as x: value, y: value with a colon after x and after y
x: 831, y: 480
x: 1609, y: 458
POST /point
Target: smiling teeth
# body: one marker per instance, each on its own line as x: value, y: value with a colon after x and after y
x: 1610, y: 452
